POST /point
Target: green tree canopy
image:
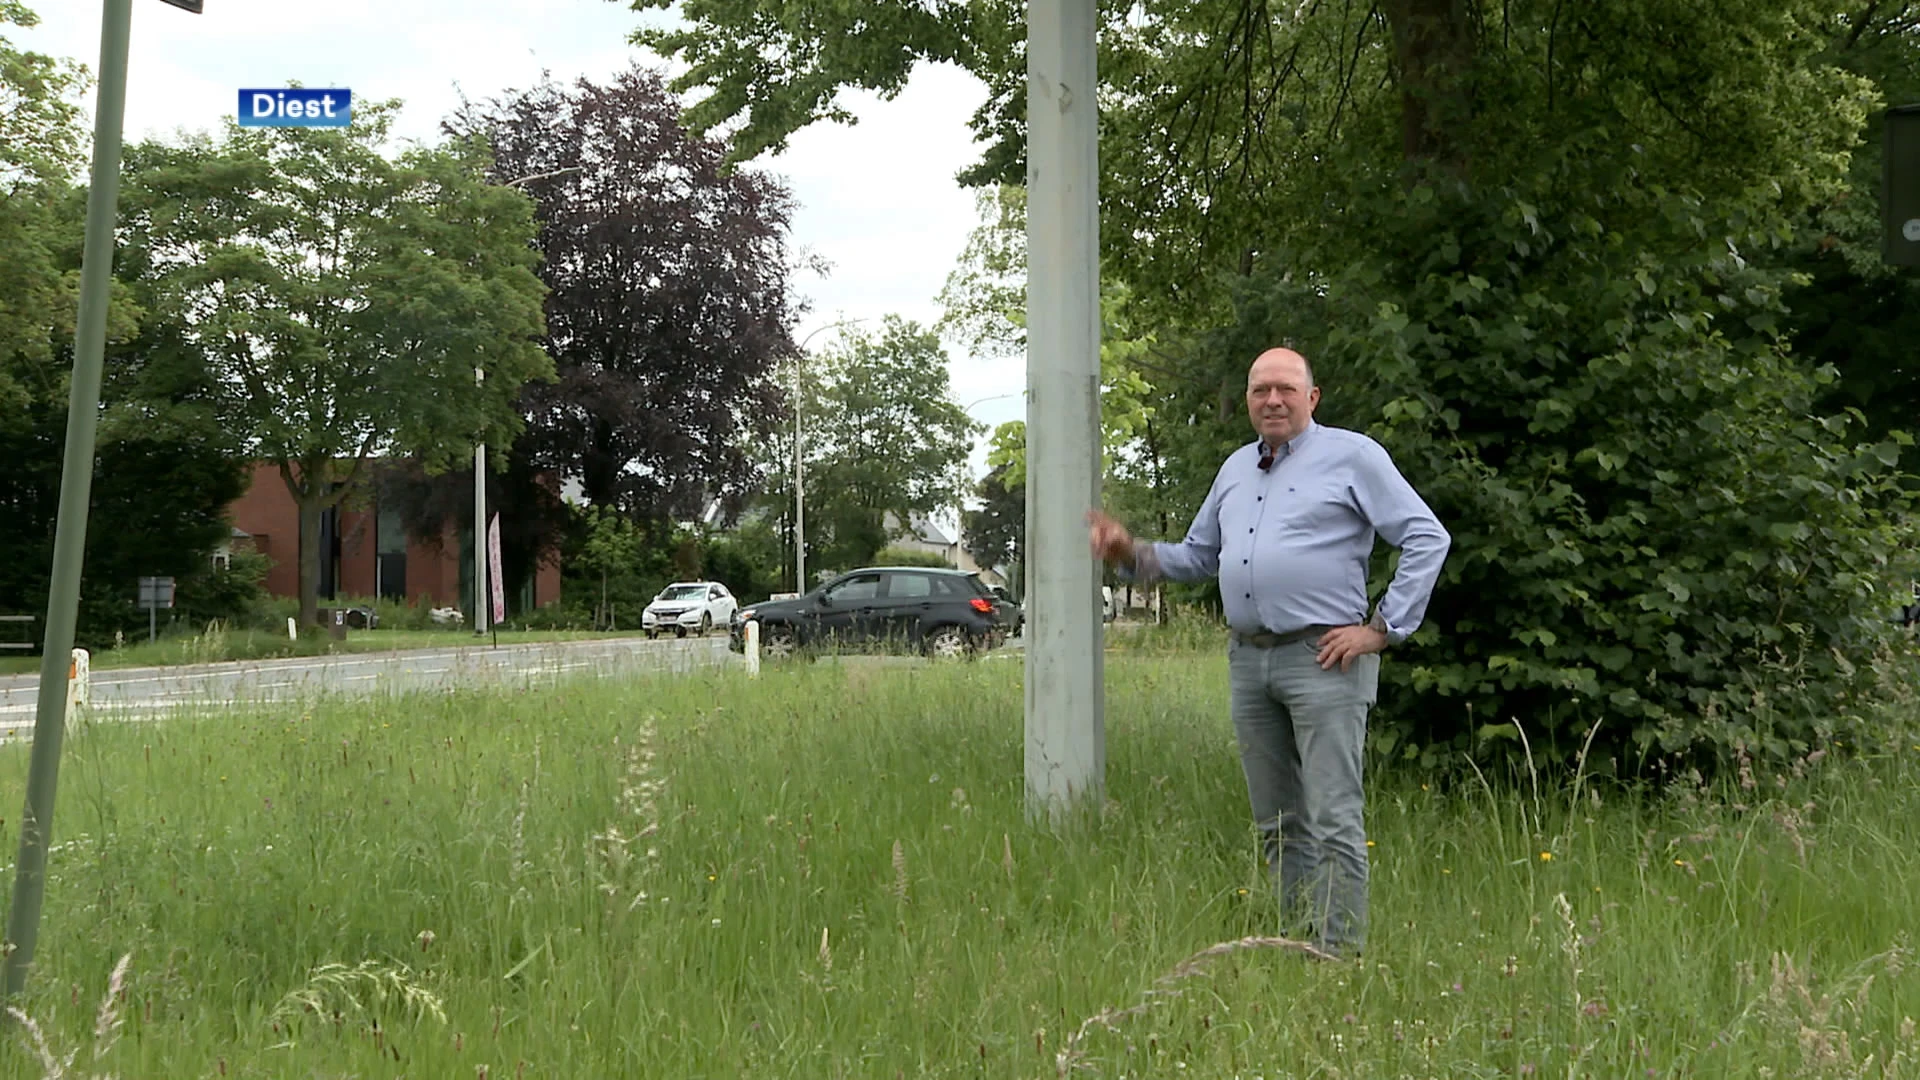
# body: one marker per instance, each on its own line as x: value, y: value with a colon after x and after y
x: 884, y: 442
x: 166, y: 468
x: 343, y: 299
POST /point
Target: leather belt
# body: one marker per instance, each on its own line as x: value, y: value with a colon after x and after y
x: 1266, y: 639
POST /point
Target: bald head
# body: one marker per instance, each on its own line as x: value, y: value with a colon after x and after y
x: 1284, y: 357
x: 1280, y: 395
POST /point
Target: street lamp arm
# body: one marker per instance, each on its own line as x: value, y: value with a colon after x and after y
x: 818, y: 329
x: 968, y: 407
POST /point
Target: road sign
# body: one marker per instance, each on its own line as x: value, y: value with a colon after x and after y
x: 156, y: 592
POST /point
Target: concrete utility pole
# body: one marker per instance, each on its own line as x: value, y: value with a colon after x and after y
x: 479, y: 525
x: 76, y: 488
x: 1066, y: 753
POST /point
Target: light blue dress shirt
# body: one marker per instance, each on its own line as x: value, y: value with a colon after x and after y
x: 1291, y: 543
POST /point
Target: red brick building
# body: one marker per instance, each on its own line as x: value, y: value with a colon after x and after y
x: 365, y: 552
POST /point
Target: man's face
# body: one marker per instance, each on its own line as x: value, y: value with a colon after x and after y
x: 1280, y: 395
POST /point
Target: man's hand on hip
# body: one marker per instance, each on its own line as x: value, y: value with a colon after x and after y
x: 1344, y: 644
x: 1110, y: 540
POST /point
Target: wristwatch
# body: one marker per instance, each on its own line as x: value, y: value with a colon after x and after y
x: 1379, y: 622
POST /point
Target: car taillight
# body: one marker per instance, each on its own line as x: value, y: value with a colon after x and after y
x: 982, y: 605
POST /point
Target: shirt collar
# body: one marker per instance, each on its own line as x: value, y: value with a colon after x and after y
x: 1291, y: 446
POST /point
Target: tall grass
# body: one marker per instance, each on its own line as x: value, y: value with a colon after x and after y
x: 827, y: 872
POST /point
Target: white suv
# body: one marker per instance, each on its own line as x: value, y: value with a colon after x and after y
x: 689, y: 607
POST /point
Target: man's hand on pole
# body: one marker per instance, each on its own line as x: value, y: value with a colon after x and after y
x: 1110, y: 540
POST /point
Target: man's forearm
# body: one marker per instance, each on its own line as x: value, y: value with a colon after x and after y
x: 1172, y: 562
x: 1404, y: 606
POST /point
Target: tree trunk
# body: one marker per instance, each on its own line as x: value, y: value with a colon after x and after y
x: 309, y: 559
x: 1434, y: 48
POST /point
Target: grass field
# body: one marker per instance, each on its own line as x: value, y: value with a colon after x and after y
x: 268, y: 645
x: 827, y: 873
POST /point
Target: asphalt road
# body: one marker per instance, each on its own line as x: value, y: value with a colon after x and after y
x: 135, y: 691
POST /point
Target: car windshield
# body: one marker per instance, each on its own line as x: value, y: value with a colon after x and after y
x: 685, y: 592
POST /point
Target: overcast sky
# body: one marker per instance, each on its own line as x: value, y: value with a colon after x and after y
x: 877, y: 200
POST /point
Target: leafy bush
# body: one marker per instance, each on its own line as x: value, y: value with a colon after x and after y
x: 228, y: 594
x: 558, y: 615
x: 899, y: 556
x: 750, y: 562
x: 1652, y: 530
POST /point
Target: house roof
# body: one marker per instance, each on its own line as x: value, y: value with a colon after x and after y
x: 931, y: 531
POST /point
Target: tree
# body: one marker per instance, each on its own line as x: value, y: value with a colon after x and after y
x: 668, y: 301
x: 165, y: 468
x: 984, y: 304
x: 344, y: 300
x: 751, y: 561
x: 40, y: 150
x: 996, y: 533
x: 885, y: 439
x: 1850, y: 309
x: 165, y: 472
x: 611, y: 548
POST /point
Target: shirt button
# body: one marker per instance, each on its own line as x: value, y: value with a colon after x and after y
x: 1243, y: 562
x: 1249, y: 596
x: 1249, y: 530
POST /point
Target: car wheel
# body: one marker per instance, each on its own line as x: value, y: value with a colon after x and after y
x: 680, y: 631
x: 778, y: 641
x: 651, y: 634
x: 706, y: 624
x: 947, y: 643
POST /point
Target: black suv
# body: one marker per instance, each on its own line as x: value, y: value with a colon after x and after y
x: 943, y: 613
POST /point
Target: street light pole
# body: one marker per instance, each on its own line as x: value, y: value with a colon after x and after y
x: 479, y: 525
x: 76, y: 489
x: 1065, y: 733
x: 799, y: 479
x: 481, y: 607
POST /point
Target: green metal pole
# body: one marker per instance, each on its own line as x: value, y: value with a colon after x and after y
x: 76, y: 488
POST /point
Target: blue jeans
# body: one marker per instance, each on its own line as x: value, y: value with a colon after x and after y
x: 1301, y: 732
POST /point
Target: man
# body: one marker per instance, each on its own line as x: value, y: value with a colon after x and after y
x: 1288, y: 528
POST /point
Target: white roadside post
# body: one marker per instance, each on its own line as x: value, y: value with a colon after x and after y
x: 752, y: 633
x: 1065, y: 733
x: 80, y: 680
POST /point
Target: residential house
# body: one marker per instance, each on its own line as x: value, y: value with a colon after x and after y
x: 923, y: 533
